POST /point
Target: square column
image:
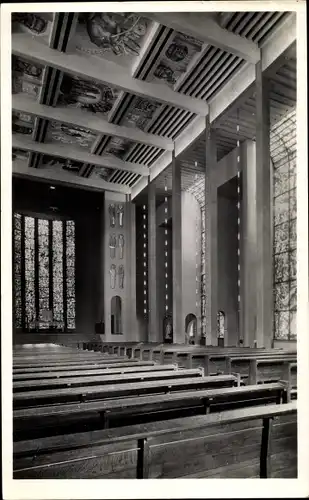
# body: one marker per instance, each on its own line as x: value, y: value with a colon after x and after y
x: 264, y: 268
x: 211, y: 237
x: 249, y: 241
x: 178, y: 326
x: 153, y: 324
x: 131, y: 249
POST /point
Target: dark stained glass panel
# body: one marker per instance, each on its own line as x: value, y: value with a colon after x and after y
x: 39, y: 265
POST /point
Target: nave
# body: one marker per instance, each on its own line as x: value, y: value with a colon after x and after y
x: 95, y: 410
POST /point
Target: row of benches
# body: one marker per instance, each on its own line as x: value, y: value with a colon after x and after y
x: 254, y: 366
x: 59, y: 390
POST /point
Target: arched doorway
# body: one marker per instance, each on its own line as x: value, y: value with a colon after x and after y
x: 191, y: 328
x: 116, y: 323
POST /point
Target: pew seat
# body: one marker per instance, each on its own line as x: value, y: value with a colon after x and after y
x: 57, y: 419
x: 94, y: 372
x: 246, y: 443
x: 80, y: 365
x: 31, y: 385
x: 85, y: 393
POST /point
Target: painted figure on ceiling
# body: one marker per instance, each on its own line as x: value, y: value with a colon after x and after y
x: 117, y: 32
x: 165, y: 73
x: 86, y: 94
x: 176, y: 52
x: 26, y: 68
x: 37, y: 25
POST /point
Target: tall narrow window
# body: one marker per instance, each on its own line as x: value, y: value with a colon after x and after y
x: 70, y: 273
x: 29, y: 257
x: 44, y: 273
x: 43, y: 269
x: 17, y: 284
x: 57, y: 276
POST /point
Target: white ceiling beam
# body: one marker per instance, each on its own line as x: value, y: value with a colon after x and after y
x: 60, y: 150
x: 201, y: 26
x: 102, y: 71
x: 60, y: 176
x: 88, y: 120
x: 280, y: 42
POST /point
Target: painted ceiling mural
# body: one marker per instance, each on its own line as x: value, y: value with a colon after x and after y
x: 27, y: 77
x: 140, y: 113
x: 119, y: 147
x: 36, y: 24
x: 79, y: 93
x: 20, y: 154
x: 102, y: 172
x: 176, y: 58
x: 69, y: 134
x: 22, y: 123
x: 65, y: 163
x: 116, y: 34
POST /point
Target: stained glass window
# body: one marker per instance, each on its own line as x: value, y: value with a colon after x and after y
x: 283, y: 149
x: 43, y: 268
x: 17, y: 271
x: 70, y: 273
x: 57, y: 270
x: 44, y: 272
x: 29, y: 270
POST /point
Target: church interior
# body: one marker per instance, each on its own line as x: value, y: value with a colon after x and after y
x: 154, y: 240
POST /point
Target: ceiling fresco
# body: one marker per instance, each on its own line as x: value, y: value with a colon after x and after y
x: 20, y: 154
x: 158, y: 62
x: 67, y: 134
x: 119, y: 147
x: 112, y: 35
x: 65, y: 163
x: 23, y: 123
x: 78, y: 93
x: 101, y: 172
x: 27, y: 77
x: 174, y: 62
x: 36, y: 24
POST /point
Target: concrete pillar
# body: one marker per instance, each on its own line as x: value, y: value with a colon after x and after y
x: 249, y: 242
x: 131, y: 248
x: 211, y: 238
x: 264, y: 271
x: 178, y: 326
x: 153, y: 324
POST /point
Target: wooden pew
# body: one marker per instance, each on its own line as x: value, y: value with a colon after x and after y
x: 47, y: 383
x: 73, y: 361
x: 63, y: 357
x: 59, y: 419
x: 82, y: 366
x: 270, y: 370
x: 94, y: 372
x: 87, y: 393
x: 255, y: 445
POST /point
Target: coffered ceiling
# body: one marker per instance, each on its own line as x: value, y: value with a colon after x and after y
x: 100, y: 99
